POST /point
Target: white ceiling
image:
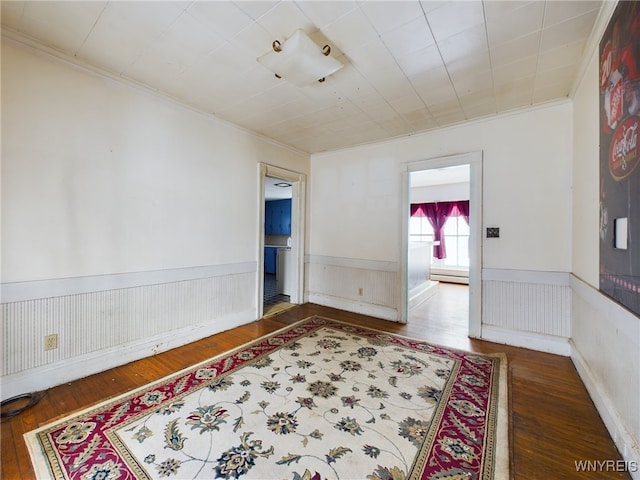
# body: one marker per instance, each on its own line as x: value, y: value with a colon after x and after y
x: 410, y: 66
x: 441, y: 176
x: 276, y: 188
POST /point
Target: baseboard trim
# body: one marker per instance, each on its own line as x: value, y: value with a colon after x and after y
x: 627, y: 446
x: 530, y: 340
x: 48, y: 376
x: 378, y: 311
x: 422, y: 293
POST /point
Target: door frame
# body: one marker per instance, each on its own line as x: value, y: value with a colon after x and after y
x: 474, y: 160
x: 298, y: 208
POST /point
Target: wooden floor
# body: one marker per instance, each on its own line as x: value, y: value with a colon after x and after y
x: 553, y: 422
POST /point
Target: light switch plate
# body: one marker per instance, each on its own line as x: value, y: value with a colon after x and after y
x: 493, y: 232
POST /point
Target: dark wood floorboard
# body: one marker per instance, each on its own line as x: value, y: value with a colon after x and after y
x: 553, y: 422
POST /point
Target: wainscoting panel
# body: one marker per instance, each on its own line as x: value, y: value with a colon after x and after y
x: 536, y: 306
x: 605, y: 350
x: 150, y: 317
x: 361, y: 286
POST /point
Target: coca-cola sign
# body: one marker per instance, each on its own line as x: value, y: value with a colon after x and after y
x: 605, y: 66
x: 624, y: 154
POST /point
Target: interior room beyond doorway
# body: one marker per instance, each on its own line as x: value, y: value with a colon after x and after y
x: 438, y: 250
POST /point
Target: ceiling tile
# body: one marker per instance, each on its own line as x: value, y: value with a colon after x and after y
x: 372, y: 57
x: 390, y: 82
x: 370, y: 102
x: 481, y: 110
x: 388, y: 116
x: 558, y: 11
x: 421, y: 61
x: 405, y: 102
x: 477, y: 82
x: 463, y: 44
x: 125, y: 30
x: 516, y: 94
x: 576, y: 28
x: 403, y: 12
x: 453, y: 18
x: 431, y: 96
x: 515, y: 23
x: 255, y: 40
x: 465, y: 66
x: 284, y: 19
x: 551, y: 92
x: 185, y: 42
x: 522, y: 68
x: 350, y: 82
x: 224, y: 18
x: 73, y: 21
x: 351, y: 31
x: 569, y: 53
x: 476, y: 98
x: 514, y: 50
x: 557, y: 75
x: 255, y: 9
x: 495, y: 10
x: 408, y: 38
x: 325, y: 12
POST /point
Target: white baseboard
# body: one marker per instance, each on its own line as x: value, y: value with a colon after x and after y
x: 422, y: 293
x: 47, y: 376
x: 377, y: 311
x: 530, y: 340
x: 627, y: 446
x: 450, y: 279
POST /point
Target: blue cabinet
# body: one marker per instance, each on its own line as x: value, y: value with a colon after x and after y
x: 270, y: 259
x: 277, y: 217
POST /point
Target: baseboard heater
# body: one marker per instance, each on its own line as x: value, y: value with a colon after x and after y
x: 450, y: 275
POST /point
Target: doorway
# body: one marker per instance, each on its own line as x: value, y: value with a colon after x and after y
x: 281, y: 240
x: 431, y: 281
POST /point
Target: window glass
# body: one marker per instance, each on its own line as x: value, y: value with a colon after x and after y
x: 456, y: 234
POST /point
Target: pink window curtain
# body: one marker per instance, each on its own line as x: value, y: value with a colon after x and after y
x: 437, y: 213
x: 463, y: 209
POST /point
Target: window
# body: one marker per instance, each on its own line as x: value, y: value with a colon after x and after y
x: 456, y: 235
x: 420, y: 230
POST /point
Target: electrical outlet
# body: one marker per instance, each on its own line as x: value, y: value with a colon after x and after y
x: 51, y: 342
x: 360, y: 291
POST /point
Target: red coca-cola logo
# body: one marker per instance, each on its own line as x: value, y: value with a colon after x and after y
x: 624, y: 153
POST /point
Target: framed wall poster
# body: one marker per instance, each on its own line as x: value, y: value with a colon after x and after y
x: 619, y: 157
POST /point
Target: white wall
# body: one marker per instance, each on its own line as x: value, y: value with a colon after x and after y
x: 605, y: 336
x: 526, y: 178
x: 99, y: 178
x: 125, y: 217
x: 356, y: 215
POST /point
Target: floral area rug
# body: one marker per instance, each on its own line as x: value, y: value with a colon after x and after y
x: 317, y: 400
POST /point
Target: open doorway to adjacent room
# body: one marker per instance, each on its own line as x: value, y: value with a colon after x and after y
x: 442, y: 245
x: 281, y: 240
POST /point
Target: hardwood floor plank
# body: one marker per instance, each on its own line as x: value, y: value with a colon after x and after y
x: 553, y: 421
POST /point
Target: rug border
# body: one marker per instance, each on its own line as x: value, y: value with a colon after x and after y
x: 36, y: 453
x: 501, y: 449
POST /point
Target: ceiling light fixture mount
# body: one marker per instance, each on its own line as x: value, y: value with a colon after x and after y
x: 299, y: 60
